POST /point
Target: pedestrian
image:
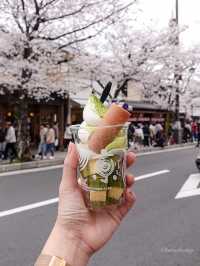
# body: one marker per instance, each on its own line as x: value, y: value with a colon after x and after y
x: 67, y: 136
x: 10, y: 142
x: 2, y: 140
x: 131, y: 130
x: 139, y: 137
x: 78, y: 233
x: 56, y: 129
x: 42, y: 144
x: 146, y: 133
x: 158, y: 127
x: 187, y: 132
x: 176, y: 130
x: 160, y: 139
x: 198, y: 134
x: 152, y: 130
x: 194, y: 131
x: 50, y: 141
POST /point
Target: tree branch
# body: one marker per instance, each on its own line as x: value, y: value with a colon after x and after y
x: 18, y: 23
x: 24, y: 17
x: 23, y: 5
x: 37, y: 9
x: 69, y: 14
x: 63, y: 16
x: 38, y: 19
x: 86, y: 26
x: 100, y: 84
x: 47, y: 4
x: 84, y: 38
x: 121, y: 88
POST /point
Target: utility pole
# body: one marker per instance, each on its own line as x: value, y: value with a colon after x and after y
x: 177, y: 79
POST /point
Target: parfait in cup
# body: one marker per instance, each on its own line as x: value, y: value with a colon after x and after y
x: 101, y: 142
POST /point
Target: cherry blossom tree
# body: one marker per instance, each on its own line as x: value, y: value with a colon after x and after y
x: 150, y: 58
x: 37, y: 37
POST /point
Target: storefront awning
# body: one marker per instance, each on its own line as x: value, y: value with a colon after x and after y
x: 146, y: 106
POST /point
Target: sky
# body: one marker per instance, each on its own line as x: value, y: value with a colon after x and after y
x: 156, y: 13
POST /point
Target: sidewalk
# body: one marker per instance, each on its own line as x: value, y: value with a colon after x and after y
x: 59, y: 158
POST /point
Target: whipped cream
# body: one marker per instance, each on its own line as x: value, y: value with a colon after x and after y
x: 90, y: 116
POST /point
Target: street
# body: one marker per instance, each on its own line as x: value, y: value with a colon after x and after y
x: 161, y: 230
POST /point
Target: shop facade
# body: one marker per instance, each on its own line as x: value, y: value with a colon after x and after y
x: 142, y: 112
x: 59, y: 111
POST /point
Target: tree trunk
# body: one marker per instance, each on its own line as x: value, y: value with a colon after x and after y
x: 23, y: 133
x: 23, y: 130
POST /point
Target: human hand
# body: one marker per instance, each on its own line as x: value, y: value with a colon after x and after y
x: 79, y: 232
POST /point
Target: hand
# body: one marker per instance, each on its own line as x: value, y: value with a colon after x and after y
x: 79, y: 232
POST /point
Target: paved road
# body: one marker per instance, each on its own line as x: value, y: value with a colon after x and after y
x: 160, y: 231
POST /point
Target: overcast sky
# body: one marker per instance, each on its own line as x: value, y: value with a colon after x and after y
x: 158, y: 12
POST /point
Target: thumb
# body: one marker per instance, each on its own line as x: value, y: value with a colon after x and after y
x: 69, y: 178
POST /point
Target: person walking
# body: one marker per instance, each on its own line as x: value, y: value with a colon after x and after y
x: 152, y: 133
x: 158, y: 127
x: 2, y: 140
x: 146, y: 133
x: 42, y: 144
x: 131, y: 130
x: 198, y: 134
x: 67, y: 136
x: 10, y: 142
x: 50, y: 142
x: 194, y: 131
x: 187, y: 132
x: 139, y: 137
x: 56, y: 129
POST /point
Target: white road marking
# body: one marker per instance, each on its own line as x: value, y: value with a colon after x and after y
x: 190, y: 187
x: 28, y: 207
x: 152, y: 174
x: 55, y: 200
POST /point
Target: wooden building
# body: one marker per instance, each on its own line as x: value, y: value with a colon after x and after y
x: 62, y: 111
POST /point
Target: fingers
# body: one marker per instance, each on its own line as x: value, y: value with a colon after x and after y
x: 130, y: 199
x: 120, y: 212
x: 130, y: 159
x: 130, y: 180
x: 69, y: 178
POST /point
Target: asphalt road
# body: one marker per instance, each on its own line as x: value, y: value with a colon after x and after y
x: 159, y: 231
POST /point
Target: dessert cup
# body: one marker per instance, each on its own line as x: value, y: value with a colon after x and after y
x: 101, y: 172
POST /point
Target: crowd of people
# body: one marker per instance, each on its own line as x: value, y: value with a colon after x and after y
x: 139, y: 135
x: 48, y: 141
x: 155, y: 134
x: 145, y: 135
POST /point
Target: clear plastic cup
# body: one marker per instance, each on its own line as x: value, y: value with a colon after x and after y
x: 102, y: 163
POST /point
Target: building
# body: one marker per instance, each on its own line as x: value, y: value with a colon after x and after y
x: 61, y: 111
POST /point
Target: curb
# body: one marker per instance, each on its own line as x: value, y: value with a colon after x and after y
x: 37, y: 164
x: 176, y: 146
x: 29, y: 165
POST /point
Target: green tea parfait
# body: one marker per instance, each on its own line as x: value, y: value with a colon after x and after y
x: 102, y: 152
